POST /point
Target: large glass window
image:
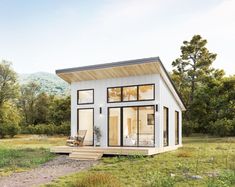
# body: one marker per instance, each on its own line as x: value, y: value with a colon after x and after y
x: 129, y: 93
x: 165, y: 127
x: 85, y: 96
x: 131, y: 126
x: 146, y: 92
x: 176, y: 127
x: 85, y: 121
x: 114, y: 94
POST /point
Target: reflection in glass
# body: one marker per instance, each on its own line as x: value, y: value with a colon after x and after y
x: 146, y: 92
x: 165, y: 127
x: 130, y: 126
x: 129, y: 93
x: 176, y: 127
x: 85, y: 122
x: 114, y: 94
x: 114, y: 126
x: 146, y: 126
x: 85, y: 96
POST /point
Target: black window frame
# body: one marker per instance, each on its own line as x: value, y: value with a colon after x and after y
x: 108, y: 94
x: 93, y: 95
x: 137, y: 98
x: 93, y: 113
x: 167, y: 126
x: 177, y: 141
x: 121, y: 127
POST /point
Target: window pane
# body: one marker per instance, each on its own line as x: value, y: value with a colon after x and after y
x: 85, y: 122
x: 176, y: 127
x: 146, y: 126
x: 85, y: 96
x: 130, y: 126
x: 165, y: 127
x: 129, y: 93
x: 146, y: 92
x: 114, y: 126
x: 114, y: 94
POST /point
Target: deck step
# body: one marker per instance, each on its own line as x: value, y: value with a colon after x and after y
x: 87, y: 150
x: 85, y: 155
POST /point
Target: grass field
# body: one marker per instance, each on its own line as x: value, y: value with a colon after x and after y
x: 25, y: 152
x: 202, y: 161
x: 210, y: 159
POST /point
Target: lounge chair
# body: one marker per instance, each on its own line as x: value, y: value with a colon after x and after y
x: 77, y: 140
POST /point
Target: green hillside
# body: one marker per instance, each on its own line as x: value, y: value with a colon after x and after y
x: 49, y: 83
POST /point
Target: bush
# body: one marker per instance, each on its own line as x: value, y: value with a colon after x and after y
x: 9, y: 120
x: 222, y: 127
x: 98, y: 180
x: 9, y: 129
x: 157, y: 179
x: 188, y: 128
x: 48, y: 129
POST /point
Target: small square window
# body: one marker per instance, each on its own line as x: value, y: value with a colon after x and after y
x: 114, y: 95
x: 129, y: 93
x: 85, y: 96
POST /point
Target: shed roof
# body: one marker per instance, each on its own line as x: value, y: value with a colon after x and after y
x: 127, y: 68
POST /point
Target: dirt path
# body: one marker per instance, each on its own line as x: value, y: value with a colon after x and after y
x: 58, y: 167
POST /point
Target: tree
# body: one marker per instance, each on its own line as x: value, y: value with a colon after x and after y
x: 60, y: 110
x: 9, y: 87
x: 9, y: 120
x: 192, y: 68
x: 42, y: 104
x: 27, y: 101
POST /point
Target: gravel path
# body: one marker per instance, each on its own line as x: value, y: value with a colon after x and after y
x: 45, y: 173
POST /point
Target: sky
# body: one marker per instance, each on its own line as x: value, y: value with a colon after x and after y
x: 47, y: 35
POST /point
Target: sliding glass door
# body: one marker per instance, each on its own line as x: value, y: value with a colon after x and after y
x: 114, y: 127
x: 131, y: 126
x: 146, y: 126
x: 129, y: 123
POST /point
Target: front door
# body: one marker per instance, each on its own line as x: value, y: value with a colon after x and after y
x: 86, y: 122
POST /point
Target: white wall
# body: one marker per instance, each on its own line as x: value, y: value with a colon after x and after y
x: 167, y: 100
x: 100, y: 100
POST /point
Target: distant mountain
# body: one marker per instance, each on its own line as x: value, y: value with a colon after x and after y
x: 49, y: 83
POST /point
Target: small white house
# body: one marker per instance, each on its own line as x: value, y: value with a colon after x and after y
x: 134, y: 103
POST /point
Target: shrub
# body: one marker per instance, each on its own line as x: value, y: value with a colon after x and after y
x: 226, y: 179
x: 157, y: 179
x: 184, y: 154
x: 48, y: 129
x: 63, y: 129
x: 9, y: 120
x: 188, y: 128
x: 222, y: 127
x: 9, y: 129
x: 99, y: 180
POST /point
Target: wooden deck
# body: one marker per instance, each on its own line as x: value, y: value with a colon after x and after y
x: 90, y: 152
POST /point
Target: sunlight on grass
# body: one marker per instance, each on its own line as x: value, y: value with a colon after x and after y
x: 210, y: 159
x: 25, y: 152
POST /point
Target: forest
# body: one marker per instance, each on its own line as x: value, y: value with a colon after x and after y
x: 208, y: 94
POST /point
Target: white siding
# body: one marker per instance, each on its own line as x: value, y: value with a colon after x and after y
x: 163, y: 97
x: 168, y: 100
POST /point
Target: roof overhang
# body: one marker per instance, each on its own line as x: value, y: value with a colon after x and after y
x: 112, y: 70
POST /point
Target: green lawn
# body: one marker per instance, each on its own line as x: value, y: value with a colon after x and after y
x: 201, y: 156
x: 25, y: 152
